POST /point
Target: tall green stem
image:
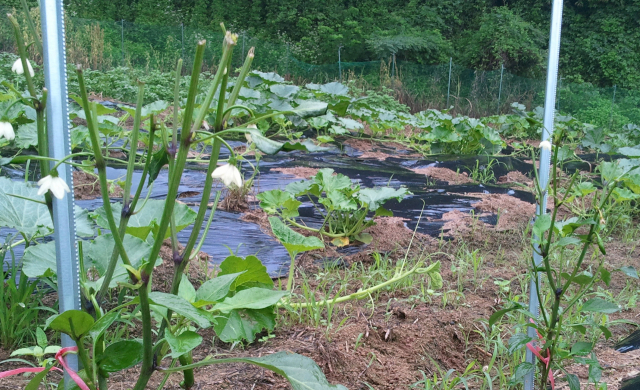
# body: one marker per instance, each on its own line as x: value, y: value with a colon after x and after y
x: 91, y: 117
x: 133, y: 150
x: 124, y: 219
x: 172, y: 192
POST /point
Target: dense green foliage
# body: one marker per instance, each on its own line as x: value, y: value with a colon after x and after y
x: 601, y: 38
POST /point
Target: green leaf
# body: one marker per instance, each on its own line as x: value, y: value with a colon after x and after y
x: 581, y: 348
x: 75, y: 323
x: 436, y: 280
x: 630, y: 151
x: 605, y: 331
x: 84, y: 224
x: 309, y: 108
x: 151, y: 108
x: 34, y: 383
x: 284, y: 91
x: 214, y: 290
x: 240, y: 325
x: 599, y: 305
x: 182, y: 307
x: 498, y: 314
x: 541, y: 225
x: 26, y: 136
x: 624, y: 194
x: 574, y: 382
x: 183, y: 343
x: 120, y: 356
x: 147, y: 220
x: 376, y: 197
x: 158, y: 160
x: 269, y: 78
x: 265, y: 144
x: 253, y: 272
x: 302, y: 372
x: 606, y: 276
x: 330, y: 182
x: 629, y: 271
x: 271, y: 201
x: 41, y: 338
x: 103, y: 324
x: 98, y: 254
x: 27, y: 217
x: 335, y: 88
x: 186, y: 289
x: 299, y: 188
x: 351, y: 124
x: 364, y: 238
x: 40, y: 260
x: 251, y: 298
x: 518, y: 341
x: 382, y: 212
x: 293, y: 242
x: 520, y: 372
x: 582, y: 279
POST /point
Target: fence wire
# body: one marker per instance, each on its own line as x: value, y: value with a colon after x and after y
x: 104, y: 45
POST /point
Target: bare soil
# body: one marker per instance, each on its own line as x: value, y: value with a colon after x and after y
x: 445, y: 174
x: 87, y: 186
x: 297, y: 172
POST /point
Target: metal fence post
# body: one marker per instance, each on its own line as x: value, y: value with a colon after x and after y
x: 286, y: 69
x: 613, y: 100
x: 339, y: 63
x: 500, y: 90
x: 543, y: 172
x: 449, y: 82
x: 122, y: 40
x: 59, y: 147
x: 244, y: 33
x: 182, y: 26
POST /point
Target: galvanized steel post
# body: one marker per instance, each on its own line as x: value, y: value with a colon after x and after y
x: 339, y: 63
x: 545, y: 160
x: 500, y: 90
x: 613, y: 101
x: 449, y: 83
x: 55, y: 77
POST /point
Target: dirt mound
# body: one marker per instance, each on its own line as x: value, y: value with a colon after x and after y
x: 297, y: 172
x: 445, y: 174
x: 515, y: 177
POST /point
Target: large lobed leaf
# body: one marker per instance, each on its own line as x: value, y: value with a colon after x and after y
x: 293, y: 242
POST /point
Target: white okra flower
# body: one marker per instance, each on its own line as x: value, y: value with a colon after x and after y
x: 6, y: 131
x: 229, y: 175
x: 55, y: 184
x: 545, y: 145
x: 19, y: 69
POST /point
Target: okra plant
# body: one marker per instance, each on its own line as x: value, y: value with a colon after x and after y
x: 238, y: 303
x: 573, y: 262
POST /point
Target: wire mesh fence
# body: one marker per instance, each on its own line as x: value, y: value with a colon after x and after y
x: 104, y: 45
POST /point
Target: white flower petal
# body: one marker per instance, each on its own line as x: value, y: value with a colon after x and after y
x: 6, y: 131
x: 17, y: 67
x: 31, y: 72
x: 229, y: 174
x: 45, y: 184
x: 59, y: 187
x: 546, y: 145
